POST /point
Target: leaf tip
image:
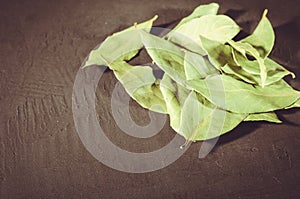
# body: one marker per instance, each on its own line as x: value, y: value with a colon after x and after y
x: 154, y: 18
x: 293, y: 75
x: 265, y: 13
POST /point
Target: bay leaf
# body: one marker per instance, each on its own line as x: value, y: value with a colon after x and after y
x: 185, y: 40
x: 201, y: 122
x: 120, y: 46
x: 197, y: 67
x: 263, y: 36
x: 207, y: 9
x: 219, y: 54
x: 241, y: 97
x: 228, y: 60
x: 249, y: 71
x: 246, y: 48
x: 269, y: 117
x: 140, y: 83
x: 169, y: 89
x: 240, y: 73
x: 294, y: 105
x: 167, y: 56
x: 219, y: 28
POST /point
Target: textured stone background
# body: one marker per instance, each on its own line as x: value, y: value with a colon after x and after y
x: 42, y: 46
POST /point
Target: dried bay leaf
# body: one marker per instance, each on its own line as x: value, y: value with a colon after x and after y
x: 241, y: 97
x: 120, y: 46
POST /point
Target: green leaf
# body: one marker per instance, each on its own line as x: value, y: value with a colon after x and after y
x: 240, y: 73
x: 197, y: 67
x: 185, y: 40
x: 169, y: 57
x: 275, y: 71
x: 249, y: 71
x: 241, y: 97
x: 218, y: 53
x: 174, y: 96
x: 269, y: 117
x: 232, y: 62
x: 245, y: 48
x: 294, y: 105
x: 263, y: 36
x: 174, y: 102
x: 251, y: 67
x: 120, y: 46
x: 219, y: 28
x: 208, y: 9
x: 201, y: 122
x: 141, y: 85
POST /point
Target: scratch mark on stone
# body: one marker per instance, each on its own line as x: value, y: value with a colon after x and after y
x: 54, y: 104
x: 276, y: 179
x: 25, y: 108
x: 34, y: 114
x: 18, y: 125
x: 8, y: 127
x: 290, y: 160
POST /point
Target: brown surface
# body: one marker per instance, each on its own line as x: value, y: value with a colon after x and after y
x: 42, y: 46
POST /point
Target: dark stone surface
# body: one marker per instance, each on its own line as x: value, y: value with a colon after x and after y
x: 42, y: 46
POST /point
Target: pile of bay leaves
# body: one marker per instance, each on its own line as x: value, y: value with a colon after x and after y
x: 211, y: 82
